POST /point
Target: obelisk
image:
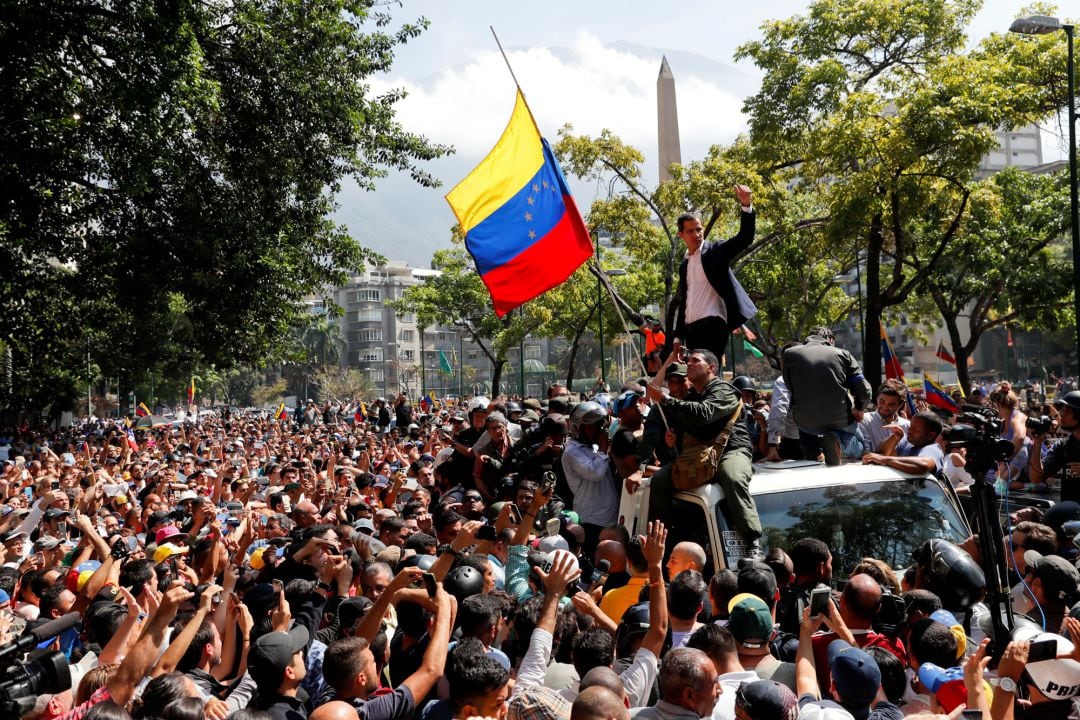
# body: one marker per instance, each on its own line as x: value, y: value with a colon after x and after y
x: 667, y: 124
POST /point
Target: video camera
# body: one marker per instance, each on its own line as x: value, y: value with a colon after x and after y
x: 979, y: 432
x: 42, y: 672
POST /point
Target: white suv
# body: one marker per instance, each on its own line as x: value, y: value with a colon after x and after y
x: 857, y: 510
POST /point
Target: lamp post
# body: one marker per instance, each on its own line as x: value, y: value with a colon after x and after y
x: 1042, y: 25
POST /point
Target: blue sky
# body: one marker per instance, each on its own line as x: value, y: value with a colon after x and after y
x: 590, y: 63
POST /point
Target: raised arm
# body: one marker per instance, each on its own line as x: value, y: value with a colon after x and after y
x: 655, y: 542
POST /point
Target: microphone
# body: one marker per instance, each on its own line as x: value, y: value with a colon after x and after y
x: 40, y: 634
x: 599, y: 575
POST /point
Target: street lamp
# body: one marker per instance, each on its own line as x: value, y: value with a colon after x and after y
x: 600, y: 308
x: 1042, y: 25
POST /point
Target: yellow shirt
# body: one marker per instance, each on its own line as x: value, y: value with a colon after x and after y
x: 618, y: 601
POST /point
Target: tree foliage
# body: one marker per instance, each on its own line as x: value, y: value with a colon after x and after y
x: 169, y: 169
x: 885, y: 117
x: 1003, y: 267
x: 457, y: 297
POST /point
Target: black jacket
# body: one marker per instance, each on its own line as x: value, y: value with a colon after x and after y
x: 716, y: 261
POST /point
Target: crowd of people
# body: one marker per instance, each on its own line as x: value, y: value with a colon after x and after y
x: 385, y: 562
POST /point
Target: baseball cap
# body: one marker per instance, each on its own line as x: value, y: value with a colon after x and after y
x: 854, y: 673
x: 529, y: 416
x: 166, y: 551
x: 767, y: 700
x: 824, y: 710
x: 54, y: 513
x: 46, y: 542
x: 675, y: 370
x: 1058, y: 576
x: 156, y: 518
x: 552, y: 543
x: 625, y: 401
x: 272, y: 653
x: 757, y: 578
x: 750, y: 622
x: 187, y: 495
x: 364, y: 525
x: 12, y: 534
x: 1056, y: 678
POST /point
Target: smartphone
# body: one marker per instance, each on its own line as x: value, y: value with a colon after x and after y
x: 429, y: 584
x: 486, y: 532
x: 819, y: 601
x: 553, y: 527
x: 61, y: 528
x: 1042, y: 650
x: 132, y: 543
x: 515, y: 514
x: 972, y: 714
x: 277, y: 586
x: 684, y: 354
x: 55, y: 484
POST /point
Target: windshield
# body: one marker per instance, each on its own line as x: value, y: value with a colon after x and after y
x: 884, y: 520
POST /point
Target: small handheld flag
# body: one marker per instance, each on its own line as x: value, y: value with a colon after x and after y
x: 280, y: 413
x: 893, y: 369
x: 132, y: 442
x: 937, y: 396
x: 142, y: 410
x: 191, y: 392
x: 943, y: 354
x: 444, y: 363
x: 521, y: 224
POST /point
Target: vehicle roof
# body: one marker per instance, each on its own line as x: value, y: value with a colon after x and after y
x: 795, y: 474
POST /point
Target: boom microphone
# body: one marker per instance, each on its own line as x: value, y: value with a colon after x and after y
x: 40, y: 634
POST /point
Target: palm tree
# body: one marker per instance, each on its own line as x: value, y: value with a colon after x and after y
x: 323, y: 341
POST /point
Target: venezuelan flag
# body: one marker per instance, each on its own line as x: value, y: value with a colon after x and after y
x: 521, y: 224
x: 893, y: 368
x: 280, y: 413
x: 937, y: 396
x: 142, y: 410
x: 191, y: 393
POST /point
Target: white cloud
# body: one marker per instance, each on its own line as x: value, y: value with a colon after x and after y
x: 590, y: 85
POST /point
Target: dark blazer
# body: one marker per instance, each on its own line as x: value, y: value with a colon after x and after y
x: 716, y: 260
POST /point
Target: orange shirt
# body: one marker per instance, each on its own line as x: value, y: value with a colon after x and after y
x: 654, y: 340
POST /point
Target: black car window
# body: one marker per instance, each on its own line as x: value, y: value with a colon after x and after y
x: 884, y: 520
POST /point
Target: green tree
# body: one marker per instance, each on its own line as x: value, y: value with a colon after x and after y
x: 457, y: 297
x: 340, y: 383
x: 323, y: 340
x: 791, y: 294
x: 1019, y: 277
x: 169, y: 170
x: 874, y: 107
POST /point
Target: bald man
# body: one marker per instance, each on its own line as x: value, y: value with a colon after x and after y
x: 859, y: 603
x: 598, y: 703
x: 615, y: 553
x: 335, y: 710
x: 686, y: 556
x: 604, y: 677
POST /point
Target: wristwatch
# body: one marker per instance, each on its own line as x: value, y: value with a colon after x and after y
x: 1007, y: 684
x: 446, y: 548
x: 323, y: 586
